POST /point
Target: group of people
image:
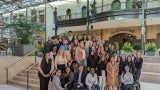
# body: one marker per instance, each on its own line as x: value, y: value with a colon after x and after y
x: 82, y: 62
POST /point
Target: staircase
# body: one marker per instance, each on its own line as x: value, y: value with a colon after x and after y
x: 21, y: 79
x: 151, y: 69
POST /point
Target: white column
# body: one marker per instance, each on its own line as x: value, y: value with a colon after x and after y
x: 49, y: 22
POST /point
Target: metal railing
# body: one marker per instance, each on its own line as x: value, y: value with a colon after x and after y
x: 20, y: 59
x: 28, y: 73
x: 108, y: 7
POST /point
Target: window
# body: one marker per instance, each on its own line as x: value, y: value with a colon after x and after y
x: 68, y: 14
x: 41, y: 16
x: 116, y: 5
x: 130, y: 4
x: 84, y: 12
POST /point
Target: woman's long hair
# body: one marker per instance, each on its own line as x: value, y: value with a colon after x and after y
x: 43, y: 60
x: 101, y: 57
x: 63, y: 55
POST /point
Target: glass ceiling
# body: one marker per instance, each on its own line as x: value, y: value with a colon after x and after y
x: 11, y: 5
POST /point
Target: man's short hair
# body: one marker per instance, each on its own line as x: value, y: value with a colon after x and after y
x: 69, y: 31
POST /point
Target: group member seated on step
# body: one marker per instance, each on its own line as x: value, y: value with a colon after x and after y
x: 79, y: 79
x: 92, y: 80
x: 67, y: 79
x: 56, y: 83
x: 127, y: 79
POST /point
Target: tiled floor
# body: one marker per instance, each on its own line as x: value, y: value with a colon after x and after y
x: 144, y: 86
x: 10, y: 87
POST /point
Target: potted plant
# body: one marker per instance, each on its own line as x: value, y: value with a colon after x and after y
x: 150, y: 48
x: 127, y: 48
x: 24, y: 29
x: 137, y: 46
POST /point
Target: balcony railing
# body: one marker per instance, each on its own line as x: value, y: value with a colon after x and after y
x: 107, y: 8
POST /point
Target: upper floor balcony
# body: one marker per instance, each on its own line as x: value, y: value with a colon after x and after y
x: 114, y: 11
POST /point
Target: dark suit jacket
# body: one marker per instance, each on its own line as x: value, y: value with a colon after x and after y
x: 83, y: 77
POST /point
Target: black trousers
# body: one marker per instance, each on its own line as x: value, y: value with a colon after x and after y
x: 44, y: 81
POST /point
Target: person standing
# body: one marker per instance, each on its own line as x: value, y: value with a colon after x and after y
x: 60, y: 60
x: 112, y: 74
x: 101, y: 71
x: 138, y: 66
x: 48, y: 45
x: 80, y: 54
x: 45, y: 68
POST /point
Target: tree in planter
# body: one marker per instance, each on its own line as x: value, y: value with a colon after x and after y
x: 25, y: 29
x: 150, y: 48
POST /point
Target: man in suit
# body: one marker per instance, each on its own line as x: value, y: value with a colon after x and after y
x: 79, y: 79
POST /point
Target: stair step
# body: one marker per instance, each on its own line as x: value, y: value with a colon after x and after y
x: 35, y: 76
x: 151, y: 77
x: 24, y: 79
x: 151, y: 67
x: 35, y: 68
x: 24, y: 84
x: 151, y: 59
x: 33, y: 72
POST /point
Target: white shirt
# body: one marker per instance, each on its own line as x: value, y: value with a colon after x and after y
x: 91, y: 79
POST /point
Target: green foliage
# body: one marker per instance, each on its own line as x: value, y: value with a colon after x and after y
x: 150, y: 47
x: 137, y: 46
x: 116, y: 45
x: 39, y: 49
x: 24, y: 29
x: 127, y: 47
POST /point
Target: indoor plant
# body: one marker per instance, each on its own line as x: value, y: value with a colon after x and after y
x: 150, y: 49
x: 24, y: 29
x: 127, y: 48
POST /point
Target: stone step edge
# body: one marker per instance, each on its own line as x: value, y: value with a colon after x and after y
x: 151, y: 73
x: 25, y: 78
x: 151, y: 63
x: 15, y: 82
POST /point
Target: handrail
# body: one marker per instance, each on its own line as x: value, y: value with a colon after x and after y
x: 3, y: 48
x: 31, y: 67
x: 28, y: 73
x: 19, y: 59
x: 11, y: 38
x: 8, y: 66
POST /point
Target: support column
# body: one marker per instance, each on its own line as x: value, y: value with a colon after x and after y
x: 87, y: 17
x: 143, y: 28
x: 55, y: 21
